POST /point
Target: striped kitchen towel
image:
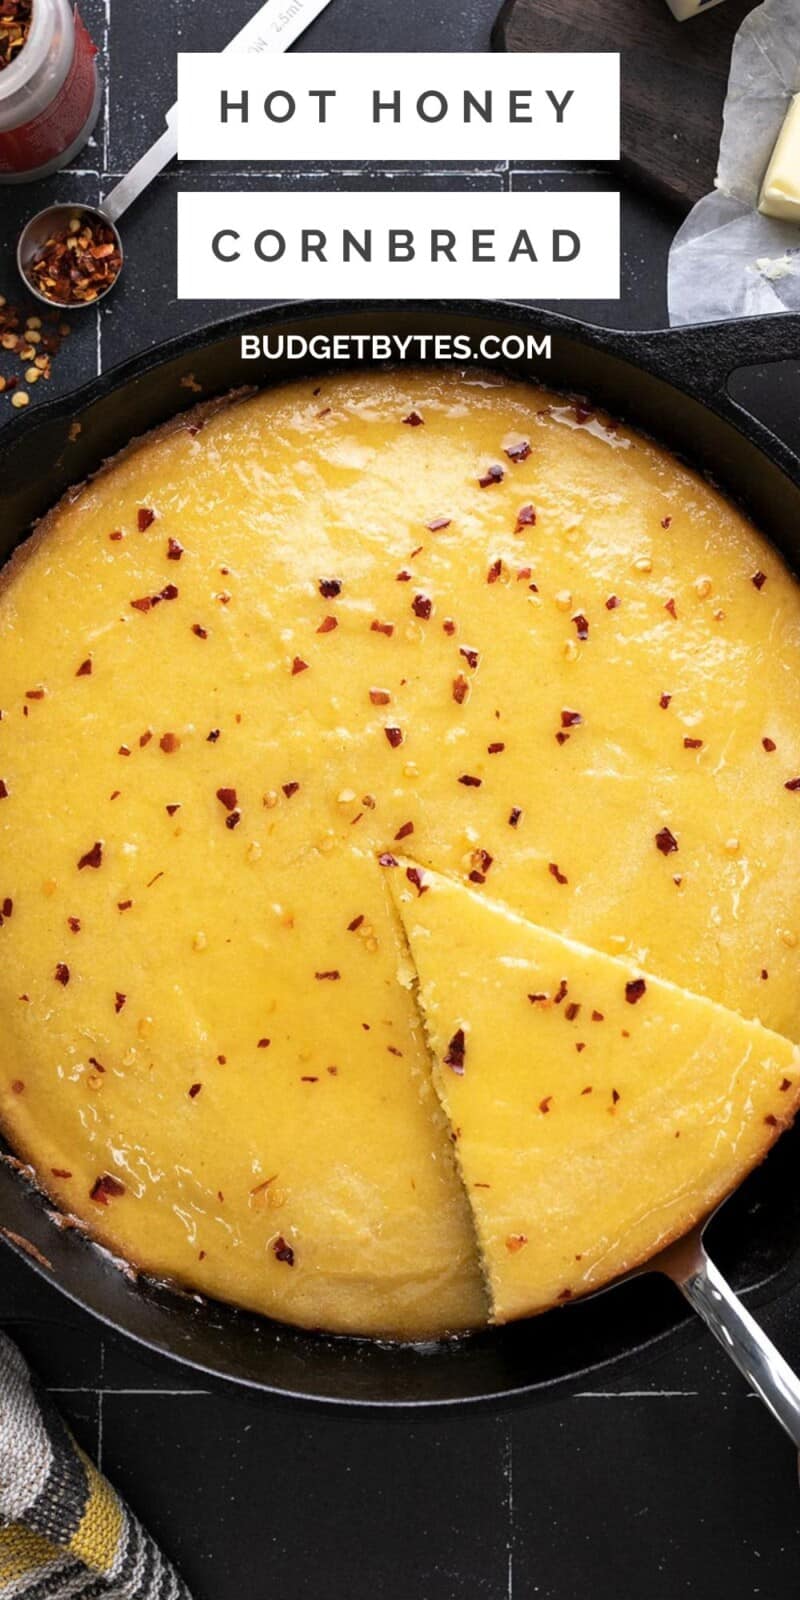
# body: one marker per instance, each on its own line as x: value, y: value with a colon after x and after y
x: 64, y: 1533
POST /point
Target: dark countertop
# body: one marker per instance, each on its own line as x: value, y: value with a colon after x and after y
x: 667, y: 1479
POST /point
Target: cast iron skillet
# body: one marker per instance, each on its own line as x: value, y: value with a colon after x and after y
x: 673, y: 385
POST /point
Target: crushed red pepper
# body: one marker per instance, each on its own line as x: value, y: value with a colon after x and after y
x: 493, y: 474
x: 634, y: 990
x: 413, y: 420
x: 422, y: 606
x: 92, y: 858
x: 394, y: 736
x: 283, y: 1251
x: 77, y: 263
x: 555, y: 872
x: 15, y: 23
x: 328, y: 624
x: 455, y: 1056
x: 106, y: 1188
x: 666, y: 841
x: 518, y: 452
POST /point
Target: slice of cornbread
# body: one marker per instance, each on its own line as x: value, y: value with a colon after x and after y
x: 597, y: 1112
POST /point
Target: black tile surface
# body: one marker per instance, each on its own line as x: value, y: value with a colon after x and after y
x: 667, y: 1480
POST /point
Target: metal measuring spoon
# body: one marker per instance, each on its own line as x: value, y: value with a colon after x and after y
x: 273, y: 29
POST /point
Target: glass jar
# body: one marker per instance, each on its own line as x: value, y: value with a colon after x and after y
x: 49, y: 95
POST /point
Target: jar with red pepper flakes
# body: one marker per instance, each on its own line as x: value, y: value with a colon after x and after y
x: 49, y: 87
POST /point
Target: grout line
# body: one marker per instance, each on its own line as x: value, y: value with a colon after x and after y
x: 508, y: 1469
x: 107, y: 86
x: 100, y: 1430
x: 98, y: 1390
x: 636, y: 1394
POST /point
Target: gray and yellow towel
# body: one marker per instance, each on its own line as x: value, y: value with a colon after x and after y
x: 64, y: 1532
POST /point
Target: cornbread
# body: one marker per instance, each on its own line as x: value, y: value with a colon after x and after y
x: 274, y: 647
x: 597, y: 1113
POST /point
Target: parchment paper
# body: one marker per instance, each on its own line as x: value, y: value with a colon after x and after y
x: 726, y: 260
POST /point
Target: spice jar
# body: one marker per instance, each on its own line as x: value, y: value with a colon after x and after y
x: 49, y: 92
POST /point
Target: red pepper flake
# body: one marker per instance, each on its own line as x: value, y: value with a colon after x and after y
x: 514, y: 816
x: 382, y: 627
x: 539, y: 999
x: 515, y: 1241
x: 460, y: 689
x: 422, y: 606
x: 556, y: 873
x: 329, y: 588
x: 85, y: 668
x: 60, y: 1172
x: 666, y: 841
x: 612, y: 602
x: 634, y: 990
x: 493, y: 474
x: 581, y: 625
x: 7, y: 907
x: 34, y: 694
x: 387, y: 860
x: 664, y: 701
x: 544, y: 1105
x: 353, y: 926
x: 692, y: 744
x: 572, y: 1010
x: 124, y: 905
x: 283, y: 1251
x: 170, y: 810
x: 793, y: 783
x: 526, y: 518
x: 456, y: 1053
x: 769, y: 745
x: 106, y: 1188
x: 231, y: 822
x: 495, y: 749
x: 3, y: 789
x: 145, y: 517
x: 144, y: 739
x: 615, y: 1096
x: 666, y: 522
x: 786, y: 1083
x: 289, y: 789
x: 62, y: 974
x: 571, y: 719
x: 669, y: 605
x: 472, y: 657
x: 198, y: 631
x: 415, y: 877
x: 212, y: 737
x: 380, y: 697
x: 332, y: 976
x: 438, y: 523
x: 169, y: 743
x: 403, y: 577
x: 117, y: 534
x: 413, y: 420
x: 449, y: 625
x: 299, y: 665
x: 404, y: 832
x: 227, y: 798
x: 469, y: 781
x: 195, y: 1090
x: 771, y: 1120
x: 495, y: 571
x: 328, y: 624
x: 582, y: 411
x: 174, y: 550
x: 758, y: 580
x: 263, y: 1044
x: 395, y: 736
x: 93, y: 857
x: 764, y: 974
x: 597, y: 1016
x: 119, y: 1001
x: 518, y: 452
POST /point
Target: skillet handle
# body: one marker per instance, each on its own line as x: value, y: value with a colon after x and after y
x: 703, y: 358
x: 745, y: 1342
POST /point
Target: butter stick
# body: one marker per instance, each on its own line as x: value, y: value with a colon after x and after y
x: 780, y: 191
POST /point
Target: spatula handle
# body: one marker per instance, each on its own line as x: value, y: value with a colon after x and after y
x: 740, y: 1335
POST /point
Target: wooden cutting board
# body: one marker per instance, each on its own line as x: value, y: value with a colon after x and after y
x: 674, y: 77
